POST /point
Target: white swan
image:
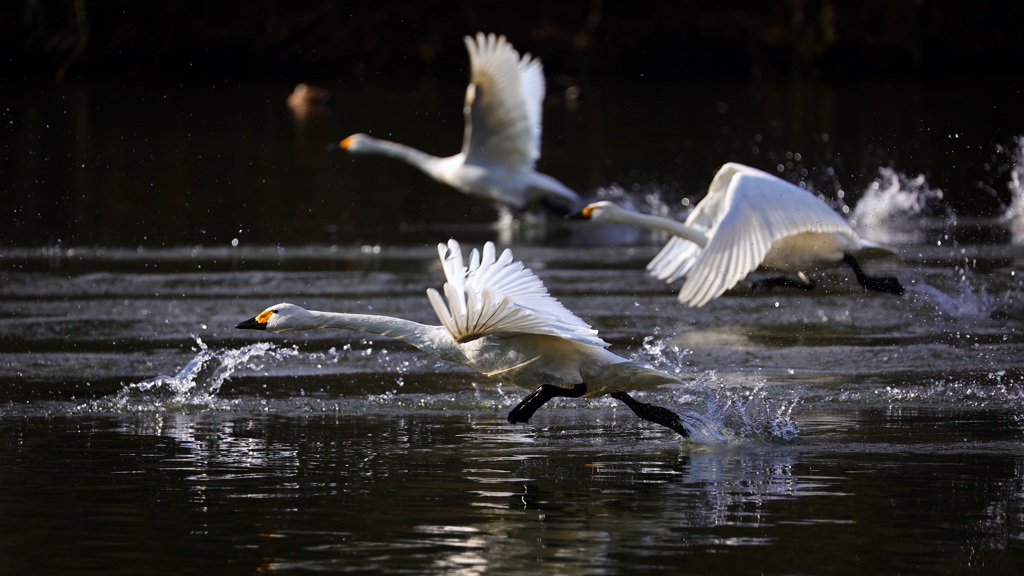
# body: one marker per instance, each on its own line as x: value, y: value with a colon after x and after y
x: 749, y: 218
x: 501, y: 142
x: 500, y: 320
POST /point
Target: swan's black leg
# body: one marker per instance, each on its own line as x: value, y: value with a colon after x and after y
x: 783, y: 282
x: 888, y: 284
x: 539, y: 397
x: 653, y: 413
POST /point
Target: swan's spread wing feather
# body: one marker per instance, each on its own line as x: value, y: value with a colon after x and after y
x: 674, y: 260
x: 497, y: 295
x: 755, y: 211
x: 503, y: 104
x: 678, y: 256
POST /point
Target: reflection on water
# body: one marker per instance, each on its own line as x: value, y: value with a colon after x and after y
x: 463, y: 493
x: 140, y: 433
x: 841, y: 423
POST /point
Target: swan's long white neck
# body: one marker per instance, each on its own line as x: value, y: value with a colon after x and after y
x: 417, y: 158
x: 673, y: 227
x: 432, y: 339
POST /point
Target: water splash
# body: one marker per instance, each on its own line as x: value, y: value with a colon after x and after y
x: 649, y: 199
x: 971, y: 298
x: 1015, y: 211
x: 646, y: 199
x: 663, y: 354
x: 896, y: 208
x: 994, y: 389
x: 197, y: 384
x: 726, y: 412
x: 715, y: 412
x: 750, y: 412
x: 968, y: 300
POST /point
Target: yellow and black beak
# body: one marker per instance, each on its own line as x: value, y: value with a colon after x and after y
x: 343, y: 145
x: 256, y: 322
x: 252, y: 324
x: 581, y: 215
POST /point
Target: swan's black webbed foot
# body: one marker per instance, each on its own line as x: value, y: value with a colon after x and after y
x: 653, y: 413
x: 783, y: 282
x: 539, y: 397
x: 889, y: 284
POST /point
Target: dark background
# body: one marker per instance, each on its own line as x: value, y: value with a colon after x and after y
x: 829, y: 39
x: 148, y: 123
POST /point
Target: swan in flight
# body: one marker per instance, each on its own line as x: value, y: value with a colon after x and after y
x: 501, y: 141
x: 749, y: 218
x: 500, y: 320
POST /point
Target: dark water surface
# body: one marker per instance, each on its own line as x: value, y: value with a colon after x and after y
x: 859, y: 433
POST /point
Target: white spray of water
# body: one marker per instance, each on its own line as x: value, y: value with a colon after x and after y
x: 196, y: 384
x: 717, y: 413
x: 748, y: 412
x: 895, y: 208
x: 646, y: 199
x: 1015, y: 211
x: 724, y: 413
x: 968, y: 301
x: 995, y: 389
x: 713, y: 412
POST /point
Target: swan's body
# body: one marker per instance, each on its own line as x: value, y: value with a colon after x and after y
x: 500, y: 320
x: 749, y: 218
x: 501, y: 142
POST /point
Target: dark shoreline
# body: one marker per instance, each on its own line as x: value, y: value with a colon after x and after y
x: 820, y: 39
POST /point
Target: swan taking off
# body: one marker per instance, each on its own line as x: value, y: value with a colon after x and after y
x: 501, y: 142
x: 498, y: 318
x: 749, y: 218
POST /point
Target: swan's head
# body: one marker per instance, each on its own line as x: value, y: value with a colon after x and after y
x: 597, y: 211
x: 357, y: 143
x: 282, y: 317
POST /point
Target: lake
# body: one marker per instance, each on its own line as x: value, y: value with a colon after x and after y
x: 860, y: 432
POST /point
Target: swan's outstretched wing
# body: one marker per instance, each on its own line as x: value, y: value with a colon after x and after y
x: 496, y: 295
x: 678, y: 256
x: 753, y: 210
x: 674, y: 260
x: 503, y: 104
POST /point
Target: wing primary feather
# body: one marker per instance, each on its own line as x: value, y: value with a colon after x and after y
x: 499, y: 295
